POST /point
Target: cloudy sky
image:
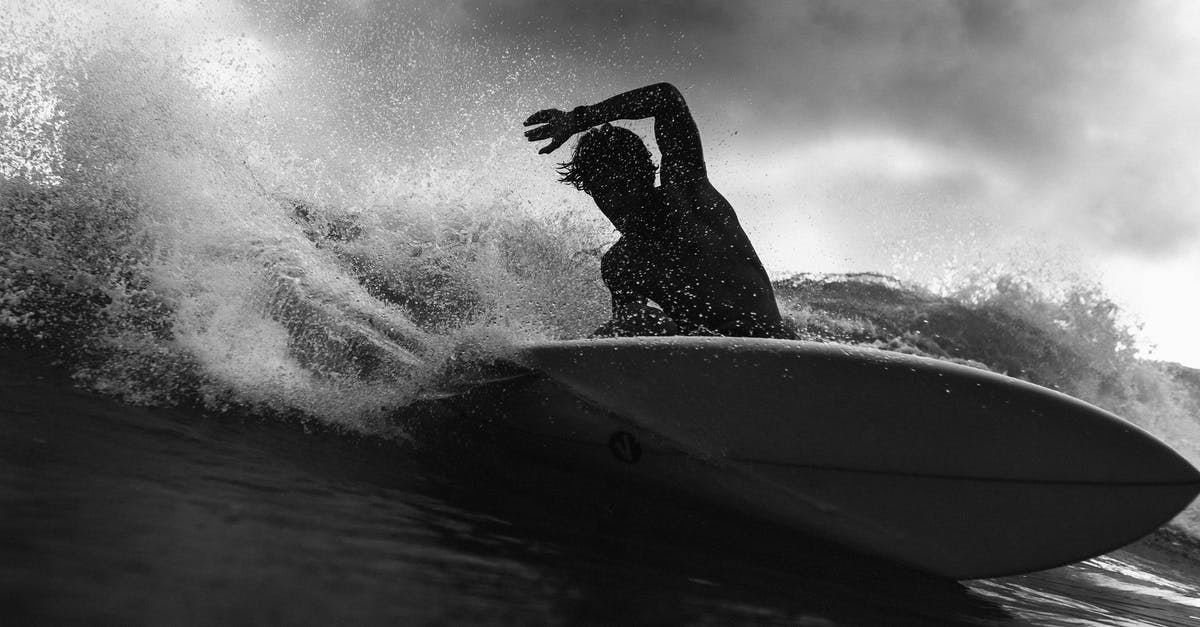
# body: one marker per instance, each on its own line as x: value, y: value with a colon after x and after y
x: 925, y: 139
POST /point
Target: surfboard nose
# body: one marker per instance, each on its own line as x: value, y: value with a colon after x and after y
x: 1188, y: 475
x: 1098, y: 446
x: 1182, y: 468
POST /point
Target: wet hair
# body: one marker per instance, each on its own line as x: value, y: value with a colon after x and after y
x: 603, y: 150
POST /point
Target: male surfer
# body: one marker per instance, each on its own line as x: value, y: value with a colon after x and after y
x: 681, y: 246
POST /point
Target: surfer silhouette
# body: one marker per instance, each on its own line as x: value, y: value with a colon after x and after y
x: 683, y: 265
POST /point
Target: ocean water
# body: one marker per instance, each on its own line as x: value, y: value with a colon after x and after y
x: 218, y: 350
x: 116, y: 514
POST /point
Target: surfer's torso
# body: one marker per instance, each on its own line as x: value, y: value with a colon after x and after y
x: 683, y: 248
x: 681, y: 244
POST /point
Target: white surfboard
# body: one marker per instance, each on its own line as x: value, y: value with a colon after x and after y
x: 944, y: 468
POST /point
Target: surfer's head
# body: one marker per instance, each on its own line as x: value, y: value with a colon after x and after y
x: 609, y: 160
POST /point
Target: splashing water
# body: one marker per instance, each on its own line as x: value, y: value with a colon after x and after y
x: 175, y: 253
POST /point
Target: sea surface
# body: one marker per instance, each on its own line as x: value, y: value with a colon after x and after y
x: 128, y: 515
x: 224, y: 327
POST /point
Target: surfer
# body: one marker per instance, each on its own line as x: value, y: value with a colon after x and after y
x: 683, y: 265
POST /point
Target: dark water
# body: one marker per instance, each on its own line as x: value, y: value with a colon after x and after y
x: 123, y: 515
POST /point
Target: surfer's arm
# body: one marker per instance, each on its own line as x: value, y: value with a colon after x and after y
x: 674, y: 129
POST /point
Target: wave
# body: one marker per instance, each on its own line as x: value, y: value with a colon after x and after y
x: 163, y: 254
x: 167, y: 252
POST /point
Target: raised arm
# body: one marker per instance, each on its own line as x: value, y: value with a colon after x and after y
x: 674, y: 129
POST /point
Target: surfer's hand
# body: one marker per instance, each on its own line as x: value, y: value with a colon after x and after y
x: 557, y: 126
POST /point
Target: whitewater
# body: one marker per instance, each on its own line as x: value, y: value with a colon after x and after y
x: 220, y: 350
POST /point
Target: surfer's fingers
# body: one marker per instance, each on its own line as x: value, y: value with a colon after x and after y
x: 552, y: 146
x: 540, y: 133
x: 543, y: 116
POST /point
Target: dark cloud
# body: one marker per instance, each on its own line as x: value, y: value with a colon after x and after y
x: 610, y: 20
x: 966, y: 71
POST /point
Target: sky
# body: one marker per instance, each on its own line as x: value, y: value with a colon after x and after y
x: 921, y: 138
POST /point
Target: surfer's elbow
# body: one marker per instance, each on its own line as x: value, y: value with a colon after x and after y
x: 668, y: 96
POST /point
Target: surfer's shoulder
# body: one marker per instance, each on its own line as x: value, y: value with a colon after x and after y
x: 691, y: 186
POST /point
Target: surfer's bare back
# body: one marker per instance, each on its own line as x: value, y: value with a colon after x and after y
x: 681, y: 246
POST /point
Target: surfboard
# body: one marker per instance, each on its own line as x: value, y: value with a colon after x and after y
x: 948, y: 469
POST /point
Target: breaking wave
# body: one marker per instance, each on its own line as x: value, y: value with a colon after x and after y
x: 168, y: 249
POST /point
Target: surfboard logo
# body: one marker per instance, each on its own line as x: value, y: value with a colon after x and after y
x: 625, y: 447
